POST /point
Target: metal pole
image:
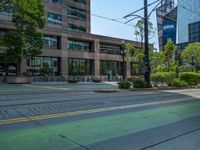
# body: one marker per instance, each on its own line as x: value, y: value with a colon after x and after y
x: 124, y: 66
x: 146, y: 58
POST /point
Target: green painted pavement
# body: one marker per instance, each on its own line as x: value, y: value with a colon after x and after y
x: 95, y: 130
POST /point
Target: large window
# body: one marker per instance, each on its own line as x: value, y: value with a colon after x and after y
x: 76, y: 13
x: 194, y: 32
x: 111, y: 67
x: 110, y: 49
x: 79, y: 45
x: 76, y: 28
x: 80, y: 67
x: 52, y: 42
x: 8, y: 11
x: 80, y: 1
x: 2, y: 65
x: 43, y: 65
x: 54, y: 18
x: 55, y: 1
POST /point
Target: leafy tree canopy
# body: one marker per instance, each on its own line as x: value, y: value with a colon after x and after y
x: 24, y: 41
x: 191, y: 55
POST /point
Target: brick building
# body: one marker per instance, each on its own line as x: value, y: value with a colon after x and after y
x: 69, y: 47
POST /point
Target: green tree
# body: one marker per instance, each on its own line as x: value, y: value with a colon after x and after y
x: 191, y: 55
x: 139, y: 30
x: 3, y: 4
x: 136, y: 56
x: 169, y: 56
x: 45, y: 70
x: 24, y: 41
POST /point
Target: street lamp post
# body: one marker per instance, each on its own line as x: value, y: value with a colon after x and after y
x: 123, y: 53
x: 146, y: 45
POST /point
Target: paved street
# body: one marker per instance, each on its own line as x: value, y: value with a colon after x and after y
x: 58, y: 117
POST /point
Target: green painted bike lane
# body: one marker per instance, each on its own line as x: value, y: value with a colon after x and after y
x: 94, y: 130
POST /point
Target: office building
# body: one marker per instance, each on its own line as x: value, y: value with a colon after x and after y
x: 188, y: 22
x: 166, y: 22
x: 69, y: 47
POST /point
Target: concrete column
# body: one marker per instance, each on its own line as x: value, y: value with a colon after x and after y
x: 64, y: 56
x: 64, y: 66
x: 97, y: 58
x: 23, y: 66
x: 128, y: 69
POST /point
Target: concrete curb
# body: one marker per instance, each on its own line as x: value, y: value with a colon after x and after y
x: 163, y: 89
x: 107, y: 90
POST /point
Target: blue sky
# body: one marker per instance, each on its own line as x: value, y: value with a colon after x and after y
x: 116, y: 9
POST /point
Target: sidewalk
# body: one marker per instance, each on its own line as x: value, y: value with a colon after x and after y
x: 45, y: 87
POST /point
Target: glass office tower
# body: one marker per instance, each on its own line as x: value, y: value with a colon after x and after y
x: 188, y: 29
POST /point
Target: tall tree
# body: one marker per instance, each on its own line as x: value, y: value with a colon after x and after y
x: 191, y: 55
x: 139, y: 30
x: 169, y: 55
x: 25, y: 41
x: 136, y: 56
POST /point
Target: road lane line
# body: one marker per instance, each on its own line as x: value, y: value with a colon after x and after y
x: 67, y: 114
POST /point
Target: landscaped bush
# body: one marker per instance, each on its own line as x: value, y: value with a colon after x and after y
x: 179, y: 83
x: 139, y: 84
x: 163, y: 78
x: 124, y: 85
x: 190, y: 77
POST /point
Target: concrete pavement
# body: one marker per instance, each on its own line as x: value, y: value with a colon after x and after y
x: 98, y: 121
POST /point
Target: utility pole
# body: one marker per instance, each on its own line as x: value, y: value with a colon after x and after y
x: 146, y: 45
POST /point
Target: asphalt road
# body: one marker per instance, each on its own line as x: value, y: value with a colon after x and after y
x: 127, y: 120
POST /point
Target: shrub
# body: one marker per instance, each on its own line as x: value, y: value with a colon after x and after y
x: 190, y: 77
x: 179, y: 83
x: 163, y: 78
x: 139, y: 84
x: 124, y: 85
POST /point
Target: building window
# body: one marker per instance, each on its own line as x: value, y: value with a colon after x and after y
x: 52, y: 42
x: 113, y: 68
x: 109, y: 49
x: 79, y: 45
x: 80, y: 67
x: 43, y: 65
x: 55, y: 1
x: 80, y: 1
x: 136, y: 69
x: 76, y: 13
x: 194, y: 32
x: 76, y: 28
x: 54, y: 18
x: 8, y: 11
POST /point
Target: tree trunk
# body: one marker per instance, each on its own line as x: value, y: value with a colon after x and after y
x: 18, y: 69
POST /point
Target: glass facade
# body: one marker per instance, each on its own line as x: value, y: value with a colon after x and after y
x: 79, y: 45
x: 55, y: 1
x: 54, y: 18
x: 112, y: 68
x: 188, y: 13
x: 194, y: 32
x: 80, y: 67
x: 80, y: 1
x: 43, y: 65
x: 169, y: 31
x: 7, y: 11
x: 52, y: 42
x: 109, y: 49
x: 2, y: 65
x: 76, y: 13
x: 76, y: 28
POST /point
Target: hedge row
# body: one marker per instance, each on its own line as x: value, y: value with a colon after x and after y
x: 190, y: 77
x: 163, y: 78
